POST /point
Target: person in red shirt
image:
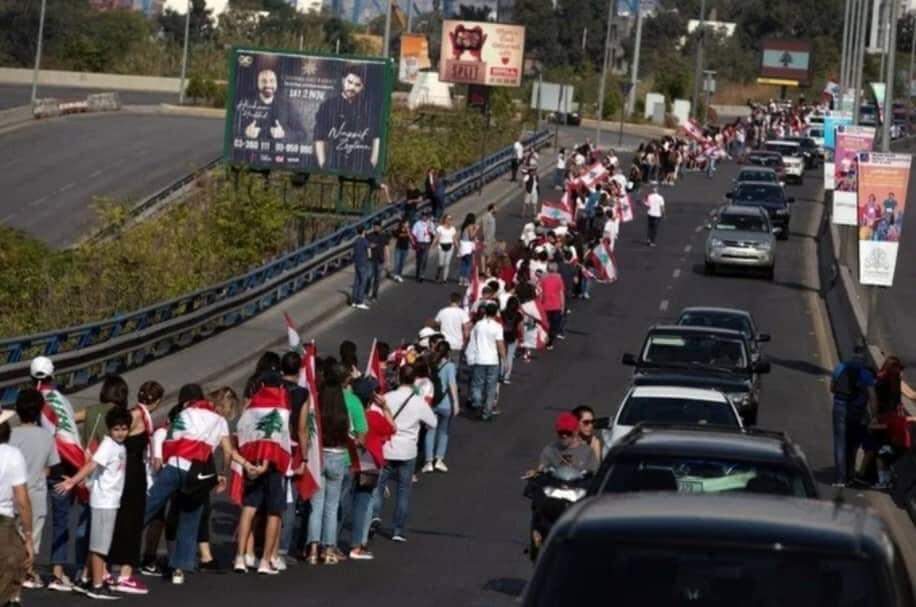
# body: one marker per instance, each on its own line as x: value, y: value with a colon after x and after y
x: 553, y: 300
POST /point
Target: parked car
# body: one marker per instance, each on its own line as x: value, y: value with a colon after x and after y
x: 816, y: 133
x: 792, y: 158
x: 703, y: 460
x: 769, y: 197
x: 726, y: 318
x: 741, y: 237
x: 809, y: 150
x: 701, y: 357
x: 710, y: 551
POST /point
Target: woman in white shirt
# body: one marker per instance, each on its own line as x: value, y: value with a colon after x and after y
x: 444, y: 243
x: 559, y: 173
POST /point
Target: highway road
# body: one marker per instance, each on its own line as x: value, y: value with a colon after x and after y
x: 14, y: 95
x: 54, y: 169
x: 467, y: 528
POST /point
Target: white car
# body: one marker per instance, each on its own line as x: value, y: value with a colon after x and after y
x: 675, y: 405
x: 792, y: 158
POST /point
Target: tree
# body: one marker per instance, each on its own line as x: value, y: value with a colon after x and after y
x: 201, y: 28
x: 474, y: 13
x: 270, y: 424
x: 541, y: 32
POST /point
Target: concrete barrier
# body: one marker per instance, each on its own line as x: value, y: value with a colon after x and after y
x: 104, y: 102
x: 9, y: 75
x: 46, y: 108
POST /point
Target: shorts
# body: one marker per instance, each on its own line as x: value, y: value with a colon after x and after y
x: 12, y: 560
x: 102, y: 530
x: 266, y: 493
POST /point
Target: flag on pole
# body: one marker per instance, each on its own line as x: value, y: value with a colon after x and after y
x: 694, y: 130
x: 263, y: 431
x: 295, y: 342
x: 601, y: 259
x: 310, y: 481
x: 374, y: 367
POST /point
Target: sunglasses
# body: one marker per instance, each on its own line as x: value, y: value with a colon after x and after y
x: 564, y: 434
x: 587, y: 422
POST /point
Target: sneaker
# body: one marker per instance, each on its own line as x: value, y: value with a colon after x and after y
x: 151, y: 568
x: 361, y: 554
x: 505, y: 381
x: 496, y: 412
x: 427, y: 468
x: 130, y: 585
x: 178, y: 577
x: 399, y: 537
x: 211, y: 566
x: 361, y: 306
x: 60, y: 584
x: 440, y: 466
x: 33, y: 581
x: 561, y: 336
x: 239, y: 565
x: 265, y: 568
x: 278, y: 563
x: 101, y: 593
x: 81, y: 587
x: 251, y: 561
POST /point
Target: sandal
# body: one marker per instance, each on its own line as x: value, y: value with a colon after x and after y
x: 312, y: 558
x: 331, y: 558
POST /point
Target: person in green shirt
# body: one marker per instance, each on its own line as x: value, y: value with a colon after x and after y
x: 114, y: 393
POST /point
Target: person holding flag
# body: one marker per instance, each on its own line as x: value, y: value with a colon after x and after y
x: 603, y: 267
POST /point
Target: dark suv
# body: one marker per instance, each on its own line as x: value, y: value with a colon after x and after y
x: 701, y: 357
x: 704, y: 460
x: 711, y: 551
x: 769, y: 196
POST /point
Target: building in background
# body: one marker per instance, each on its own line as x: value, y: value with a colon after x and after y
x: 151, y: 8
x: 307, y: 6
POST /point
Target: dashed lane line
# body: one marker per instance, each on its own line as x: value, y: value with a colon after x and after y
x: 676, y: 273
x: 688, y: 248
x: 662, y: 307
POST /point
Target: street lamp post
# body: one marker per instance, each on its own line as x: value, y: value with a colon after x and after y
x: 386, y: 45
x: 698, y: 71
x: 859, y: 62
x: 890, y: 78
x: 41, y: 34
x: 844, y: 56
x: 612, y: 9
x: 184, y: 55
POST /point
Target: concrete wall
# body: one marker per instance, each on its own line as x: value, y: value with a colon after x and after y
x: 88, y: 80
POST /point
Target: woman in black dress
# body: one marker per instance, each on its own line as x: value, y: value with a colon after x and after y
x: 125, y: 550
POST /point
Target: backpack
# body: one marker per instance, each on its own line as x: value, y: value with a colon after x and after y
x: 439, y: 391
x: 846, y: 386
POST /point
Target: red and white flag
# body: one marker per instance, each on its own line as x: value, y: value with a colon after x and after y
x: 554, y: 214
x: 596, y: 173
x: 601, y: 259
x: 473, y: 289
x: 57, y: 418
x: 310, y: 481
x: 693, y: 129
x: 263, y: 431
x: 374, y: 367
x: 625, y: 208
x: 193, y: 433
x: 295, y: 342
x: 535, y: 325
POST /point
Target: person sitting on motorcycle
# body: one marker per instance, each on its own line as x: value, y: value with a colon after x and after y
x: 569, y: 449
x: 586, y: 417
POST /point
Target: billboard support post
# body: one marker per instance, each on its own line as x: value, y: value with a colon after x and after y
x: 612, y: 9
x: 540, y: 87
x: 698, y: 69
x: 890, y: 79
x: 41, y: 33
x: 560, y: 112
x: 634, y: 77
x: 386, y: 46
x: 184, y: 54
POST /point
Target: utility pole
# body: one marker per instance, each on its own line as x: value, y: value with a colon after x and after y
x: 184, y: 54
x: 844, y: 55
x: 859, y: 63
x: 909, y: 82
x: 698, y: 70
x: 634, y: 77
x: 386, y: 45
x: 611, y: 11
x: 890, y: 78
x: 409, y: 16
x: 41, y: 35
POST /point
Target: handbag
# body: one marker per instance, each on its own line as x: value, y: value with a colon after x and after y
x: 367, y: 480
x: 200, y: 479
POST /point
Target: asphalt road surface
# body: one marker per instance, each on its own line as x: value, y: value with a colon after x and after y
x: 467, y: 528
x: 15, y: 95
x: 54, y: 169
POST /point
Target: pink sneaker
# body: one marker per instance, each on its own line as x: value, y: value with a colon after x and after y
x: 130, y: 585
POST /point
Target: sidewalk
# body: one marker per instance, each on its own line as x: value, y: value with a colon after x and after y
x: 228, y: 357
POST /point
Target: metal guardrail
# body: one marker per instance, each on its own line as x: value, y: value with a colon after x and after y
x: 84, y: 354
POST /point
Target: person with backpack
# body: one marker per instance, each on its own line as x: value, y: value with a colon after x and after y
x: 446, y: 404
x: 852, y: 385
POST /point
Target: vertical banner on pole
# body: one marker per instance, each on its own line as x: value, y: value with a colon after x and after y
x: 831, y: 121
x: 883, y: 182
x: 850, y: 141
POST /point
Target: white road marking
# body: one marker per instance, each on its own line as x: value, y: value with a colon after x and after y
x: 67, y: 187
x: 37, y: 202
x: 688, y: 248
x: 676, y: 273
x: 96, y: 173
x: 663, y: 306
x: 698, y: 229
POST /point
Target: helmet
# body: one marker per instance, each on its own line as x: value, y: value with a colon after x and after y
x: 41, y: 367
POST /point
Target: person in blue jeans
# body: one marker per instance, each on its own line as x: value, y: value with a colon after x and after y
x: 402, y: 242
x: 436, y: 442
x: 362, y: 269
x: 486, y: 348
x: 852, y: 385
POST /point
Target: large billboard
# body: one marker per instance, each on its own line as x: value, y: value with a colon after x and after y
x: 414, y: 57
x: 850, y: 141
x: 476, y: 52
x: 308, y: 113
x: 883, y: 184
x: 786, y: 62
x: 553, y: 97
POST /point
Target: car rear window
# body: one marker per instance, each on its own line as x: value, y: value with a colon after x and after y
x: 735, y: 222
x: 635, y: 472
x: 747, y: 192
x: 596, y: 570
x: 702, y: 349
x: 715, y: 320
x: 673, y: 410
x: 766, y: 176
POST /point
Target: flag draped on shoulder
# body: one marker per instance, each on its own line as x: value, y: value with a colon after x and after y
x: 191, y: 435
x: 57, y: 418
x: 263, y: 434
x: 602, y: 262
x: 310, y: 481
x: 535, y: 323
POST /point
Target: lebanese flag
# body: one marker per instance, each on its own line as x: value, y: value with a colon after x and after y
x: 310, y: 481
x: 536, y: 339
x: 693, y: 129
x: 295, y: 342
x: 57, y: 418
x: 601, y: 259
x: 191, y: 433
x: 374, y: 367
x: 473, y: 289
x: 596, y: 173
x: 554, y: 214
x: 625, y: 208
x: 263, y: 433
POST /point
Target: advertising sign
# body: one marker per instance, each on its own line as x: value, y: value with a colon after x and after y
x: 883, y: 182
x: 308, y: 113
x: 828, y: 175
x: 831, y: 121
x: 476, y: 52
x: 552, y: 97
x: 786, y: 60
x: 414, y: 57
x: 850, y: 140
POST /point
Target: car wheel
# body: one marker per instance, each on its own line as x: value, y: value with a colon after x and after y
x: 709, y: 268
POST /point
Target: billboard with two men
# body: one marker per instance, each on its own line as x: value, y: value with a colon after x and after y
x: 308, y: 113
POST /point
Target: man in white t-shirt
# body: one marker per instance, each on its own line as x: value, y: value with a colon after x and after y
x: 656, y: 205
x: 518, y: 152
x: 16, y: 551
x: 454, y: 324
x: 485, y: 350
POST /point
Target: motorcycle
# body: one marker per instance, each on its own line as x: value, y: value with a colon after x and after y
x: 552, y: 492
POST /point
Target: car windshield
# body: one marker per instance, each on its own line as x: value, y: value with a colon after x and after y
x: 767, y: 161
x: 816, y: 132
x: 644, y: 572
x: 783, y: 148
x: 701, y: 349
x: 673, y: 410
x: 767, y: 176
x: 695, y: 475
x: 763, y: 192
x: 717, y: 320
x: 741, y: 223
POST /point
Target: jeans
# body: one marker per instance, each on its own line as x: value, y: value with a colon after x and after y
x: 555, y: 325
x: 376, y: 273
x: 323, y: 518
x: 653, y: 228
x: 464, y: 267
x: 509, y: 361
x: 483, y: 387
x: 848, y: 433
x: 711, y: 166
x: 400, y: 258
x: 422, y: 258
x: 60, y: 527
x: 289, y: 532
x: 362, y: 516
x: 558, y: 178
x: 361, y: 277
x: 345, y: 511
x: 402, y: 473
x: 444, y: 261
x: 436, y: 441
x: 168, y: 483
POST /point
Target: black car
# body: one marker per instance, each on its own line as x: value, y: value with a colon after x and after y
x: 725, y: 318
x: 713, y: 551
x: 809, y: 150
x: 704, y: 460
x: 770, y: 197
x: 770, y: 160
x: 701, y: 357
x: 757, y: 173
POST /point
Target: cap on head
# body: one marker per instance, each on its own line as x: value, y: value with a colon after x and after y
x: 566, y: 422
x: 41, y: 367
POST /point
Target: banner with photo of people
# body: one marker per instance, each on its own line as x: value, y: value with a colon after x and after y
x: 831, y: 121
x: 883, y: 181
x: 414, y: 57
x: 478, y: 52
x: 850, y: 141
x: 308, y: 113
